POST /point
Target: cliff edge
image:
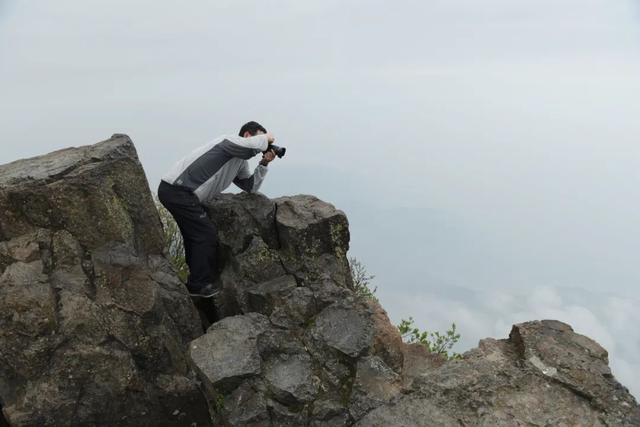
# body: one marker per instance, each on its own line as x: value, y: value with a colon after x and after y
x: 96, y: 328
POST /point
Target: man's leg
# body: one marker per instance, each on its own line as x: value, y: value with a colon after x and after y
x: 198, y: 233
x: 200, y: 241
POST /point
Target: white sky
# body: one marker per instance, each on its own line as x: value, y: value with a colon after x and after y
x: 479, y: 148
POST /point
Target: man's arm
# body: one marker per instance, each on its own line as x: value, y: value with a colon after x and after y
x: 248, y: 182
x: 245, y: 148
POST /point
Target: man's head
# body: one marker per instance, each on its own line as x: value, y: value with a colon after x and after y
x: 251, y: 129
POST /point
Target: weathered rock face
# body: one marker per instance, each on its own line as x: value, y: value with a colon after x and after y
x: 310, y: 352
x: 544, y: 374
x: 93, y: 321
x: 296, y: 347
x: 96, y: 329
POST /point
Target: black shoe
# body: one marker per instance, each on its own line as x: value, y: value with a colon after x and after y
x: 206, y: 291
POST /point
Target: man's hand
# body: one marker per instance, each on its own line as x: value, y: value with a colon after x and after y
x: 270, y: 137
x: 267, y: 157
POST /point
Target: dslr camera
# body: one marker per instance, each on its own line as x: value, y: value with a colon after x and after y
x: 276, y: 149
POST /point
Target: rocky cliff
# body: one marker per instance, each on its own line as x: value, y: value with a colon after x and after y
x: 96, y: 328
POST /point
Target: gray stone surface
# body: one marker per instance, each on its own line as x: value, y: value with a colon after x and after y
x: 410, y: 412
x: 246, y: 406
x: 343, y: 327
x: 375, y: 384
x: 228, y: 352
x: 290, y: 378
x: 330, y: 358
x: 93, y: 322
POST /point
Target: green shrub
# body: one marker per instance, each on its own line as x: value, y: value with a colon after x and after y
x: 436, y: 342
x: 361, y: 280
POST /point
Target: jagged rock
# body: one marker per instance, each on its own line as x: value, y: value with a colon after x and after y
x: 575, y: 361
x: 296, y: 310
x: 264, y: 296
x: 314, y: 237
x: 96, y: 329
x: 375, y: 384
x: 410, y: 412
x: 246, y: 406
x: 365, y: 374
x: 517, y: 382
x: 262, y: 239
x: 342, y: 327
x: 329, y: 413
x: 284, y: 416
x: 240, y: 217
x: 228, y: 352
x: 290, y: 378
x: 93, y: 322
x: 417, y: 360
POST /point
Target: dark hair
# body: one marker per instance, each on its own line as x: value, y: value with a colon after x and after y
x: 252, y: 128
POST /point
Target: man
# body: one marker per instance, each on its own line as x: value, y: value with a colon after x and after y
x: 196, y: 179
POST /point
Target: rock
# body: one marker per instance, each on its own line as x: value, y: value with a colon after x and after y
x: 417, y: 360
x: 264, y: 296
x: 246, y: 406
x: 96, y: 328
x: 228, y: 352
x: 360, y: 372
x: 387, y: 341
x: 375, y: 384
x: 314, y: 239
x: 553, y: 350
x: 257, y: 264
x: 240, y: 218
x: 343, y: 327
x: 283, y: 416
x: 290, y: 378
x: 87, y: 333
x: 329, y: 413
x: 296, y: 310
x: 492, y: 386
x: 409, y: 412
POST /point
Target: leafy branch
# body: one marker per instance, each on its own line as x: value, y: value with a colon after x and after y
x: 436, y: 342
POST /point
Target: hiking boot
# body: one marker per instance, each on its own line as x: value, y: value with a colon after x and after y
x: 206, y: 291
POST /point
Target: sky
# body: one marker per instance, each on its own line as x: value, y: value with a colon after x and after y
x: 486, y: 153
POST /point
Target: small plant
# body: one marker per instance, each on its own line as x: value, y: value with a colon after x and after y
x: 434, y: 341
x: 218, y: 403
x: 173, y: 242
x: 361, y: 280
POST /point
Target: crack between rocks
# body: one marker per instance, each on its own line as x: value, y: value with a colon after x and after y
x: 78, y: 399
x: 589, y: 398
x: 284, y: 267
x: 63, y: 173
x: 119, y: 307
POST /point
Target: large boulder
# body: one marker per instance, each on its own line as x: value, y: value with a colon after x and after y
x: 94, y: 324
x: 544, y: 374
x: 324, y: 356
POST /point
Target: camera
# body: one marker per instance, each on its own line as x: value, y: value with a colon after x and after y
x: 278, y: 150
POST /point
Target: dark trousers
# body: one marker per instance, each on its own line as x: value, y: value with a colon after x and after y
x: 198, y: 232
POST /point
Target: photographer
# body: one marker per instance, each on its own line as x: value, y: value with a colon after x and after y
x: 194, y: 180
